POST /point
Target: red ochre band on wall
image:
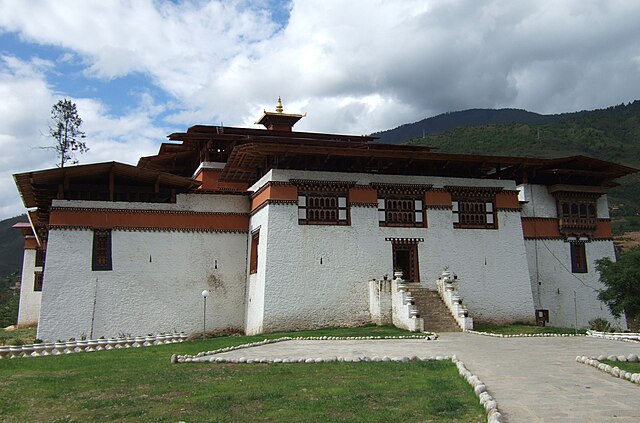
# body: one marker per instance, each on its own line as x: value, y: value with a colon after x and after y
x: 148, y: 219
x: 547, y: 228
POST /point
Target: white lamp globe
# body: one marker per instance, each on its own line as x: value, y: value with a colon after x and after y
x: 205, y: 293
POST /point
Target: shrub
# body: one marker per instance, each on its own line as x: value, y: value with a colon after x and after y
x: 599, y: 324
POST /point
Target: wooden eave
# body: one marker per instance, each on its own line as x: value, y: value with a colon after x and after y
x: 39, y: 188
x: 248, y: 161
x: 226, y: 132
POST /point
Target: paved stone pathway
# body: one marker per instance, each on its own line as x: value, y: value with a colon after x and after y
x: 532, y: 379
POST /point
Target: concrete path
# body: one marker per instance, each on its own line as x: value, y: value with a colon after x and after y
x: 532, y: 379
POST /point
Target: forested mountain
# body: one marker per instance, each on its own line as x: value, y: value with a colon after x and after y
x: 471, y: 117
x: 11, y: 244
x: 611, y: 134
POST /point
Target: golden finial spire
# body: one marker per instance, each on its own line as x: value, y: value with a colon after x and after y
x: 279, y: 108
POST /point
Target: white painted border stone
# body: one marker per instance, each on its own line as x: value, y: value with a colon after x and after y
x: 613, y: 371
x: 525, y: 335
x: 176, y: 358
x: 87, y: 345
x: 616, y: 336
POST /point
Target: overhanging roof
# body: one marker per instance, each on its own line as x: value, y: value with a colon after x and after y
x: 38, y: 188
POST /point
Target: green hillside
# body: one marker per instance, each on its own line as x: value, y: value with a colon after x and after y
x: 11, y: 243
x: 611, y: 134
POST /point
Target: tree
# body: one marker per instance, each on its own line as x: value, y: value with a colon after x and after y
x: 622, y: 281
x: 65, y: 131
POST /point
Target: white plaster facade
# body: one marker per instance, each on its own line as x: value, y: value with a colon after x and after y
x: 570, y: 297
x: 317, y: 275
x: 307, y: 276
x: 156, y: 282
x: 30, y: 299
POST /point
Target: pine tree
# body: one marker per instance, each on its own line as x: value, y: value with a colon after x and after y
x: 65, y: 131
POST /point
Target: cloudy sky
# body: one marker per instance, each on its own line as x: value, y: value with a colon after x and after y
x: 141, y: 69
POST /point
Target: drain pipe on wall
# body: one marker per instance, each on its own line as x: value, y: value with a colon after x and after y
x: 93, y: 313
x: 575, y: 309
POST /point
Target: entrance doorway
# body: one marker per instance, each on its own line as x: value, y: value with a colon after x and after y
x: 405, y: 257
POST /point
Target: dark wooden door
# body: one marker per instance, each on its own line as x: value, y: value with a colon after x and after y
x: 405, y: 257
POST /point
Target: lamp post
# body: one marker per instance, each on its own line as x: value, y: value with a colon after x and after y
x: 205, y: 294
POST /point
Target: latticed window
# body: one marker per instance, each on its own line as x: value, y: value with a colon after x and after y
x: 578, y: 257
x: 400, y: 211
x: 578, y: 213
x: 40, y: 257
x: 38, y: 277
x: 253, y: 258
x: 323, y: 209
x: 101, y: 257
x: 474, y: 208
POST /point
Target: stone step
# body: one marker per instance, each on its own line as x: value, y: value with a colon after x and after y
x: 436, y: 315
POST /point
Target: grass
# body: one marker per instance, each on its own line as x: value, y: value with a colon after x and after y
x: 140, y: 385
x: 518, y: 328
x: 624, y: 365
x: 18, y: 336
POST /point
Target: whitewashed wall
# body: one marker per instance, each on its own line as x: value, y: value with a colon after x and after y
x: 157, y: 277
x: 29, y: 308
x: 254, y: 310
x: 301, y: 291
x: 552, y: 282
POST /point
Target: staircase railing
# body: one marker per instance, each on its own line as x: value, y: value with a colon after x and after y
x: 405, y: 314
x: 448, y: 291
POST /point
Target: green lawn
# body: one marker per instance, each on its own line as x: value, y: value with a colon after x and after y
x: 518, y: 328
x: 141, y: 385
x: 624, y: 365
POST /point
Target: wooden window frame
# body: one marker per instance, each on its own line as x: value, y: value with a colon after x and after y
x: 474, y: 213
x: 253, y: 257
x: 41, y: 256
x: 323, y: 208
x: 101, y: 257
x: 577, y: 213
x: 401, y: 211
x: 578, y: 254
x: 38, y: 278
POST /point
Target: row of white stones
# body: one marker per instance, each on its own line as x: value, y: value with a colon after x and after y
x: 486, y: 400
x: 525, y: 335
x: 479, y: 388
x: 176, y: 358
x: 625, y: 337
x: 88, y: 345
x: 613, y: 371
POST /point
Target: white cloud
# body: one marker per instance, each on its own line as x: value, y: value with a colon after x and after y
x: 24, y: 122
x: 354, y: 67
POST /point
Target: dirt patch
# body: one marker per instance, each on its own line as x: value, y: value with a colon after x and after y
x: 627, y: 240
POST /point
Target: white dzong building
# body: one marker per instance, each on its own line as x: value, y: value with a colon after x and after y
x: 288, y: 230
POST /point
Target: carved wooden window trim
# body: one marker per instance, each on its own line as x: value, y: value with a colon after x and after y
x: 40, y: 257
x: 398, y: 210
x: 577, y: 212
x: 401, y: 205
x: 38, y: 278
x: 253, y: 258
x: 101, y: 255
x: 322, y: 208
x: 474, y: 208
x: 578, y: 257
x: 323, y: 202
